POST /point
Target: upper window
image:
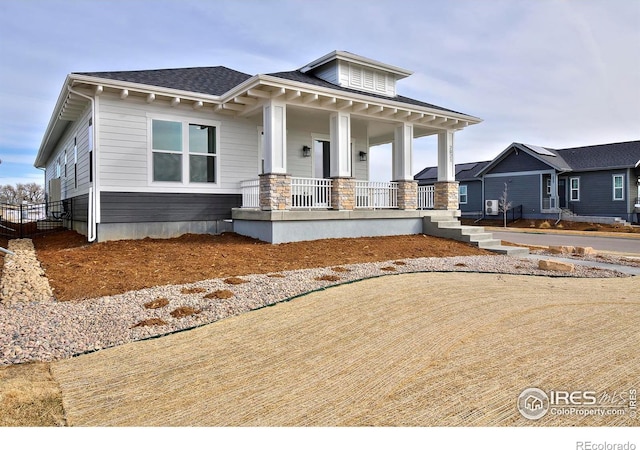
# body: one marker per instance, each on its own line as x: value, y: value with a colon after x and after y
x: 618, y: 187
x: 183, y: 152
x: 574, y: 189
x: 462, y: 190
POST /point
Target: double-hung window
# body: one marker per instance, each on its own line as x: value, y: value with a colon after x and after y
x: 183, y: 152
x: 618, y: 187
x: 462, y: 191
x: 574, y: 189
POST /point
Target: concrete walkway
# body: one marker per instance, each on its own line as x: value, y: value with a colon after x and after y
x: 625, y: 243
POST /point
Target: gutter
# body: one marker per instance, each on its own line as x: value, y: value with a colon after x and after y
x: 93, y: 193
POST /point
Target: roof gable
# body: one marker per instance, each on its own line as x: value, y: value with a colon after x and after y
x: 548, y: 157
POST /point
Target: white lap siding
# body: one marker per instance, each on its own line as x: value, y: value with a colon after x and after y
x: 125, y: 160
x: 72, y: 184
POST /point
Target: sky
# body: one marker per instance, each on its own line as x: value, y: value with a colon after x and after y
x: 554, y: 73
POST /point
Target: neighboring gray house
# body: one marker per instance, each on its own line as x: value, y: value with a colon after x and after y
x: 280, y: 157
x: 469, y: 189
x: 592, y: 183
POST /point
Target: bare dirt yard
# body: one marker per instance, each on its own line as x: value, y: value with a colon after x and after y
x: 78, y: 270
x: 551, y: 225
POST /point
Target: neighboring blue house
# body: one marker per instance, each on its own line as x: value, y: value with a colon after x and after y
x: 581, y: 183
x: 470, y: 188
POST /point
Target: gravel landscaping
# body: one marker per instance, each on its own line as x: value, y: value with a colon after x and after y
x: 38, y: 328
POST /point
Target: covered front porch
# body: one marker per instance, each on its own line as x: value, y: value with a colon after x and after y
x: 313, y: 179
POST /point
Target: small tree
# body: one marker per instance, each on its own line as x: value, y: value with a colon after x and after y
x: 504, y: 205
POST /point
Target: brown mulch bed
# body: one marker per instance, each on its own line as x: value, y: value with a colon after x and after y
x: 78, y: 270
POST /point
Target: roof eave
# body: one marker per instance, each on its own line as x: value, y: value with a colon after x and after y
x: 41, y: 157
x: 310, y: 88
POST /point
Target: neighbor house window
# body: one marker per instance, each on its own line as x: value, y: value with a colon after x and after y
x: 618, y: 187
x: 574, y: 189
x: 183, y: 152
x: 462, y: 191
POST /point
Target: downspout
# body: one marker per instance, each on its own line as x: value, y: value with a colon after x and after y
x: 91, y: 213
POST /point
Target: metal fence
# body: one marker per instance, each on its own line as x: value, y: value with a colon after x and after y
x: 26, y: 220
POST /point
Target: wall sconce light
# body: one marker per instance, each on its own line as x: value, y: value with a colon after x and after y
x: 363, y: 156
x: 306, y: 151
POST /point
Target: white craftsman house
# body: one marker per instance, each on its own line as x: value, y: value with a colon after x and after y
x: 280, y: 157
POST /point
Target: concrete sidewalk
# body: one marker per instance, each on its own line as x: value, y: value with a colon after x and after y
x: 621, y: 243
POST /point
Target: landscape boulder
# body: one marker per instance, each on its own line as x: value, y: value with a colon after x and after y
x: 557, y: 266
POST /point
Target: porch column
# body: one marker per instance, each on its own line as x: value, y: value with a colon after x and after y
x: 446, y: 188
x: 343, y: 192
x: 274, y: 120
x: 402, y: 156
x: 275, y: 183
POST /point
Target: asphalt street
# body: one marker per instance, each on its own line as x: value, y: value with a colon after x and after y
x: 605, y: 244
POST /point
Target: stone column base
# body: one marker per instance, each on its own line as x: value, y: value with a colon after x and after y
x: 446, y: 195
x: 275, y: 191
x: 343, y: 193
x: 407, y: 194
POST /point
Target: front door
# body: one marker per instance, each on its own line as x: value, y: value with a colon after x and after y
x: 562, y: 192
x: 321, y: 159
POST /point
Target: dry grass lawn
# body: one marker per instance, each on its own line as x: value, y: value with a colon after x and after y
x: 410, y: 350
x: 29, y: 396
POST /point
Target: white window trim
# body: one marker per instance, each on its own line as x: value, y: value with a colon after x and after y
x: 185, y: 121
x: 613, y: 186
x: 571, y: 189
x: 466, y: 194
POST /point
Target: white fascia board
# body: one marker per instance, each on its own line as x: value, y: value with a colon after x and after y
x: 351, y: 57
x: 269, y: 80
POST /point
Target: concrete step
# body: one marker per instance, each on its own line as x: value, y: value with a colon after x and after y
x: 448, y: 227
x: 508, y: 250
x: 488, y: 243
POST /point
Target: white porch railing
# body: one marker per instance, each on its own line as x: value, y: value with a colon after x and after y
x: 250, y: 193
x: 426, y: 197
x: 376, y: 194
x: 310, y: 193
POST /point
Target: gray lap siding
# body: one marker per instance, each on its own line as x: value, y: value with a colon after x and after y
x: 522, y: 190
x: 130, y: 207
x: 474, y: 196
x: 596, y: 194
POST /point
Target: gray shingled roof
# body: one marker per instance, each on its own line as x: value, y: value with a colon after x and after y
x: 204, y: 80
x: 577, y: 159
x: 298, y: 76
x: 219, y: 80
x: 464, y: 172
x: 604, y: 156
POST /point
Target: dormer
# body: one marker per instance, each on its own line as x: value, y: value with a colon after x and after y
x: 356, y: 72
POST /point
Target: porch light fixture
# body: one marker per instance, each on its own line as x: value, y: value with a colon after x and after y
x: 363, y: 156
x: 306, y: 151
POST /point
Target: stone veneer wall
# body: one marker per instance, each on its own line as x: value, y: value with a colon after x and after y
x: 446, y: 195
x: 275, y: 191
x: 407, y: 194
x: 343, y: 193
